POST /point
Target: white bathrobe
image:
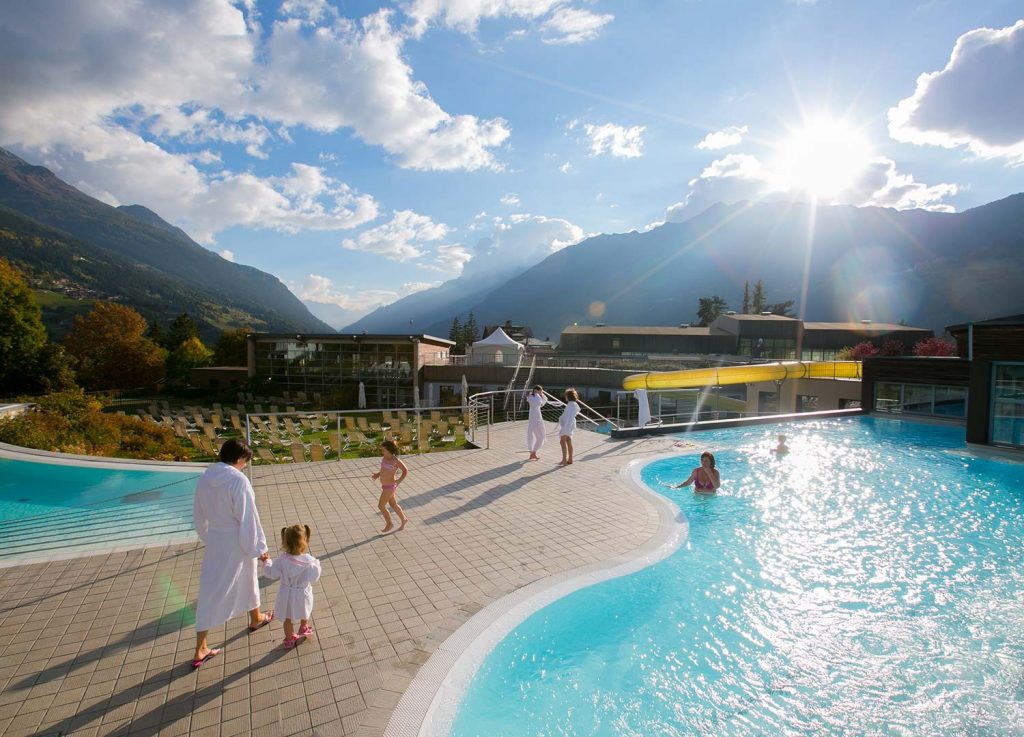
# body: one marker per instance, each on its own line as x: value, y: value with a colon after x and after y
x: 298, y: 573
x: 225, y: 516
x: 567, y: 422
x: 535, y: 430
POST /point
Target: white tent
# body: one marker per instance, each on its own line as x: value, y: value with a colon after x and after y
x: 495, y: 348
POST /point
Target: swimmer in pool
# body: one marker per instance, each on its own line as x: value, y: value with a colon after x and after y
x: 705, y: 477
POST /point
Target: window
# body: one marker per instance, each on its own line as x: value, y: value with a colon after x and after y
x: 806, y: 403
x: 921, y: 399
x: 1008, y: 404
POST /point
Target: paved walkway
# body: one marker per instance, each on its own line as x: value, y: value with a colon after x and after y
x: 101, y: 645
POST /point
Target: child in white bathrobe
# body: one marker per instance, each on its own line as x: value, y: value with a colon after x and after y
x: 298, y: 571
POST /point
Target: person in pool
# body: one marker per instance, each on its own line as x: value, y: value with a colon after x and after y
x: 781, y: 449
x: 705, y: 478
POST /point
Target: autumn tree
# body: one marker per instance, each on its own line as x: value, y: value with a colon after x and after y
x: 28, y: 362
x: 859, y: 352
x: 189, y: 354
x: 232, y: 348
x: 935, y: 347
x: 112, y: 350
x: 709, y: 308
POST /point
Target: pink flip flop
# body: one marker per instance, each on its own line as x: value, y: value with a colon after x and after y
x: 198, y: 663
x: 267, y: 619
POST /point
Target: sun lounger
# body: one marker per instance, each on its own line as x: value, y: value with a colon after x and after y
x: 316, y: 451
x: 298, y: 452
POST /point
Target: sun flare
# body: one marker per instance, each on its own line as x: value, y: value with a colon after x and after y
x: 823, y: 157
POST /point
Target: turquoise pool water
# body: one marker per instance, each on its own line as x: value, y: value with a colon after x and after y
x: 869, y: 583
x: 79, y: 507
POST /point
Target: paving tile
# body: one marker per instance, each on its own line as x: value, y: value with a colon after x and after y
x: 115, y: 646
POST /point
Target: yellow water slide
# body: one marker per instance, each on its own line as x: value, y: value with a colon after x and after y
x: 743, y: 374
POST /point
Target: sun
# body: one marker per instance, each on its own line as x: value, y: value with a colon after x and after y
x: 823, y: 157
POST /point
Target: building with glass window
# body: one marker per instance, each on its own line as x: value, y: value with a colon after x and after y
x: 765, y: 336
x: 334, y: 365
x: 983, y: 386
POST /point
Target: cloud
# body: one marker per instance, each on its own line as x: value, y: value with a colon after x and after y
x: 227, y: 255
x: 449, y: 260
x: 561, y: 24
x: 401, y: 239
x: 743, y: 177
x: 411, y: 287
x: 511, y: 199
x: 974, y: 102
x: 573, y: 25
x: 116, y: 102
x: 566, y: 167
x: 731, y: 136
x: 322, y: 289
x: 520, y: 242
x: 615, y: 140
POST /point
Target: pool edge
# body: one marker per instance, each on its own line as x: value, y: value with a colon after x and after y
x: 428, y: 706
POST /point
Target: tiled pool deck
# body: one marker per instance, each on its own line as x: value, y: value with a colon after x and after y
x: 101, y: 645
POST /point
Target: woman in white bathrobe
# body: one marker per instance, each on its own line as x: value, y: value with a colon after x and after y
x: 567, y: 425
x: 535, y: 428
x: 226, y: 520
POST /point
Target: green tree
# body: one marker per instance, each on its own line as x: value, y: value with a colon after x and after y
x: 782, y: 308
x: 758, y: 301
x: 746, y: 298
x: 232, y: 348
x: 188, y: 355
x: 470, y: 332
x: 710, y: 308
x: 112, y: 350
x: 182, y: 328
x: 455, y: 334
x: 28, y: 362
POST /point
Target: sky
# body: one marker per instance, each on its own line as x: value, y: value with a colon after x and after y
x: 363, y: 151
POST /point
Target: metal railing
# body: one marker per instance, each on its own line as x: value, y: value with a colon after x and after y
x: 491, y: 407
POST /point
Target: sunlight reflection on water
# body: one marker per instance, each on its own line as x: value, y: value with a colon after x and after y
x: 866, y: 583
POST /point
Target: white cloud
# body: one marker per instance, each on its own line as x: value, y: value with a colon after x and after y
x: 449, y: 260
x: 569, y: 25
x: 616, y: 140
x: 511, y: 199
x: 322, y: 289
x: 975, y: 101
x: 743, y: 177
x: 731, y: 136
x: 108, y: 95
x: 521, y: 241
x: 411, y: 287
x: 227, y: 255
x: 565, y: 168
x: 401, y: 239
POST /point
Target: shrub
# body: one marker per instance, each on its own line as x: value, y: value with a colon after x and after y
x: 70, y: 422
x: 935, y: 347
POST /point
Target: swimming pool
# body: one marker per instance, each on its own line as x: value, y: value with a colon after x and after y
x: 867, y: 583
x: 55, y: 509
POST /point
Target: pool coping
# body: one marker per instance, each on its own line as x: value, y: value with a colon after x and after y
x: 429, y: 705
x: 21, y: 453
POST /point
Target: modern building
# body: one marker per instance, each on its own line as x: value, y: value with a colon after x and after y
x: 333, y: 365
x: 983, y: 386
x: 764, y: 336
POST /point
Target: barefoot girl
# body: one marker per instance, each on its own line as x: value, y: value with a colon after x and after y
x: 390, y: 463
x: 298, y: 571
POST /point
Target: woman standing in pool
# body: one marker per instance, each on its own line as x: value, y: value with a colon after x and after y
x: 567, y: 424
x: 535, y: 429
x: 226, y: 520
x: 705, y: 478
x: 390, y: 464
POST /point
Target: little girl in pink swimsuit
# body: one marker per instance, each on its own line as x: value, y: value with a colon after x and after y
x: 390, y: 464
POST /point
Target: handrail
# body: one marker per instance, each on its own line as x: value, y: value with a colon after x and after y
x: 553, y: 400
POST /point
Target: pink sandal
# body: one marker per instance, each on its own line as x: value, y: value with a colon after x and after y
x: 267, y: 619
x: 305, y: 630
x: 291, y: 642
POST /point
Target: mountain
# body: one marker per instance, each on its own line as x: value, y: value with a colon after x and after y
x: 431, y: 311
x: 130, y: 254
x: 929, y: 269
